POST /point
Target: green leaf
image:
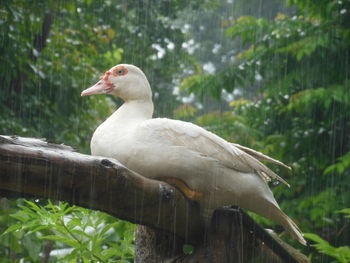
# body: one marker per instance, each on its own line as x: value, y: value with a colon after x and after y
x: 315, y: 238
x: 33, y: 246
x: 341, y: 253
x: 109, y: 253
x: 345, y: 211
x: 339, y: 167
x: 70, y: 242
x: 12, y: 228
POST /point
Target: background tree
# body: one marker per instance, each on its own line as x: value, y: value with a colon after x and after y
x: 50, y: 51
x: 300, y: 113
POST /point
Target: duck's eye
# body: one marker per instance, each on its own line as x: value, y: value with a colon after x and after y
x: 120, y: 71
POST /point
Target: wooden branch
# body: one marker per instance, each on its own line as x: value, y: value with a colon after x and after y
x: 233, y: 236
x: 36, y: 168
x: 33, y: 167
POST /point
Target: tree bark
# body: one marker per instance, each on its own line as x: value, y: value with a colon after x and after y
x: 41, y: 37
x: 39, y: 43
x: 233, y: 237
x: 35, y: 168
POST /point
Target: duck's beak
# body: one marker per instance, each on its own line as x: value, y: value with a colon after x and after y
x: 102, y: 87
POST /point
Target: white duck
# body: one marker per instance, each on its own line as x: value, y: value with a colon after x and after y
x: 204, y: 166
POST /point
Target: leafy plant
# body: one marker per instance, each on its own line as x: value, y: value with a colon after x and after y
x: 73, y: 233
x: 341, y: 254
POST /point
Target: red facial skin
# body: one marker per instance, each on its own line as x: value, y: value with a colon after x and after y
x: 120, y: 71
x: 105, y: 85
x: 117, y: 71
x: 105, y: 78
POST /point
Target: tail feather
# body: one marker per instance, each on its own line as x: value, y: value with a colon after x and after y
x: 289, y: 225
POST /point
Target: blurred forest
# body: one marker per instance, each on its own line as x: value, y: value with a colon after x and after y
x: 271, y: 75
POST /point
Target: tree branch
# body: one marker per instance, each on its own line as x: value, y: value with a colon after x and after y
x: 35, y: 168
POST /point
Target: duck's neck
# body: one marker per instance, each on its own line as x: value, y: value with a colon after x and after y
x: 134, y: 111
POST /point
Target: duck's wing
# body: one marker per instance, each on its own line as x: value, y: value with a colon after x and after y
x: 195, y: 138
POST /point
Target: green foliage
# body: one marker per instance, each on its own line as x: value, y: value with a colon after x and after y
x: 41, y: 81
x: 202, y: 84
x: 187, y: 249
x: 228, y: 125
x: 339, y: 167
x: 297, y: 43
x: 345, y: 211
x: 297, y: 66
x: 185, y: 112
x: 341, y: 254
x: 247, y: 28
x: 320, y: 208
x: 74, y: 233
x: 308, y: 99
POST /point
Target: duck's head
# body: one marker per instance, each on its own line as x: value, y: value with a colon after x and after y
x: 125, y: 81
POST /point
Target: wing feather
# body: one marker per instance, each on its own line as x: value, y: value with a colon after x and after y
x: 260, y: 156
